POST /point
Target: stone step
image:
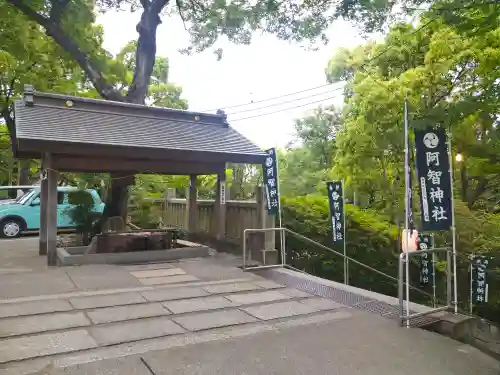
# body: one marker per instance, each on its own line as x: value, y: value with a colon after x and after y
x: 12, y: 309
x: 122, y: 324
x: 85, y: 359
x: 90, y: 315
x: 105, y: 292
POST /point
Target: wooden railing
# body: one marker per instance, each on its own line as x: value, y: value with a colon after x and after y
x: 240, y: 215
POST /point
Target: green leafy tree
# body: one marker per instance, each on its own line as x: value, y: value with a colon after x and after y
x: 448, y: 78
x: 304, y: 165
x: 70, y: 25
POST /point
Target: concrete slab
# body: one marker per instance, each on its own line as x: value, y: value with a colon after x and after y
x: 340, y: 347
x: 230, y: 288
x: 119, y: 366
x: 268, y: 284
x: 32, y: 308
x: 30, y: 284
x: 92, y: 302
x: 279, y: 310
x: 208, y: 269
x: 134, y: 330
x: 197, y: 322
x: 197, y: 304
x: 18, y: 348
x: 158, y: 273
x: 154, y: 266
x: 173, y: 294
x: 41, y: 323
x: 260, y: 297
x: 295, y: 293
x: 168, y: 280
x: 119, y: 313
x: 321, y: 304
x: 101, y: 277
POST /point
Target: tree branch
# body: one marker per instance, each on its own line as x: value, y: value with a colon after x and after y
x: 53, y: 30
x: 57, y: 9
x: 145, y: 54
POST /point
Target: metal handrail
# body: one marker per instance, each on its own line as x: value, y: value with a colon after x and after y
x: 355, y: 261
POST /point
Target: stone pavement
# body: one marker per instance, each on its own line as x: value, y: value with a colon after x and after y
x: 154, y: 301
x: 201, y: 316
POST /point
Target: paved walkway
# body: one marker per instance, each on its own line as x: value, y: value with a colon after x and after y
x: 202, y: 316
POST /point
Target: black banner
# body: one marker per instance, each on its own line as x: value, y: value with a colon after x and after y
x: 270, y: 175
x: 433, y: 168
x: 426, y: 264
x: 336, y: 200
x: 479, y: 279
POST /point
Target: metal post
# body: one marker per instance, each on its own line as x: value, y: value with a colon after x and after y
x: 280, y: 216
x: 433, y: 273
x: 346, y: 261
x: 471, y: 257
x: 448, y: 278
x: 433, y: 280
x: 400, y: 287
x: 453, y: 230
x: 407, y: 209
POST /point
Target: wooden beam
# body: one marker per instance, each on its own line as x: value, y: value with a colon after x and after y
x: 104, y: 165
x: 123, y: 152
x: 51, y: 212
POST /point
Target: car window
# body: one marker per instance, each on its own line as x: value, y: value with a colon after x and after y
x: 80, y: 196
x: 4, y: 194
x: 12, y: 193
x: 26, y: 197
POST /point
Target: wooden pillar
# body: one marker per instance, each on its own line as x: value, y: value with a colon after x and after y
x: 220, y: 203
x: 51, y: 212
x: 42, y: 242
x: 192, y: 206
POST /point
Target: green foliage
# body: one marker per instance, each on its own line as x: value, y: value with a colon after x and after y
x: 161, y: 93
x: 448, y: 77
x: 145, y: 212
x: 82, y: 213
x: 371, y: 239
x: 305, y: 163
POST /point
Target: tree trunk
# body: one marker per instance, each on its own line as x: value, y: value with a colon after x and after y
x: 118, y: 193
x: 23, y: 172
x: 117, y: 196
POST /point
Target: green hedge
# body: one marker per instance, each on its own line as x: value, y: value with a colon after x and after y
x: 371, y: 240
x: 374, y: 241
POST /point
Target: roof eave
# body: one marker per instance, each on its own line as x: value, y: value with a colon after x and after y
x: 28, y: 148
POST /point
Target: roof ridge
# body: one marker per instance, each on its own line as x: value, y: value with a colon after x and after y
x: 31, y: 94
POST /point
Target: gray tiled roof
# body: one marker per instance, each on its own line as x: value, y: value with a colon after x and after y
x: 63, y: 124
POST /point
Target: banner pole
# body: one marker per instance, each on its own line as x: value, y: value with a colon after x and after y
x: 471, y: 258
x: 346, y: 261
x: 433, y: 273
x: 280, y: 216
x: 407, y: 206
x: 453, y: 230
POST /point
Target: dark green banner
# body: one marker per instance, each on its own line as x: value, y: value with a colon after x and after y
x: 479, y: 279
x: 336, y: 201
x: 426, y: 264
x: 271, y: 183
